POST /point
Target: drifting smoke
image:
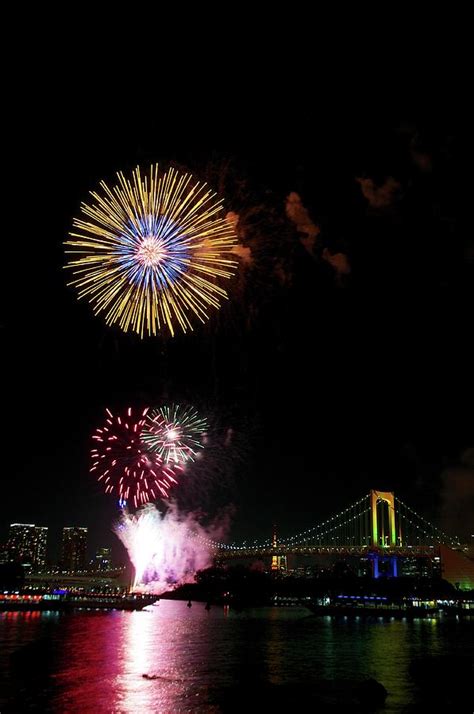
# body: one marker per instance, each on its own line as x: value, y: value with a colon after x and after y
x: 338, y: 261
x: 233, y: 219
x: 166, y: 549
x: 241, y: 251
x: 299, y: 215
x: 379, y: 196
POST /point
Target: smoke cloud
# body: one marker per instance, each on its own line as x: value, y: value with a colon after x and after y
x: 299, y: 215
x: 241, y: 251
x: 167, y: 549
x: 338, y: 261
x: 379, y: 196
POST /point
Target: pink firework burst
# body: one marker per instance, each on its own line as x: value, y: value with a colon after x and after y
x: 124, y: 464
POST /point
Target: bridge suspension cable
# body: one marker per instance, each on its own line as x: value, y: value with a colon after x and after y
x: 414, y: 529
x: 355, y: 526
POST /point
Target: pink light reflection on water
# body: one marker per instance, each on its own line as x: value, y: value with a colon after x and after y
x: 134, y: 661
x: 196, y: 661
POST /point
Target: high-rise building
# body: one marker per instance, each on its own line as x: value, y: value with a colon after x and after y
x: 102, y: 560
x: 279, y: 563
x: 74, y: 548
x: 27, y: 544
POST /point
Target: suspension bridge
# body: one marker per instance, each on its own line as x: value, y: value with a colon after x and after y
x: 377, y: 525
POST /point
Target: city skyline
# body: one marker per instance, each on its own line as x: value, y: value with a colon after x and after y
x: 385, y: 518
x: 29, y: 545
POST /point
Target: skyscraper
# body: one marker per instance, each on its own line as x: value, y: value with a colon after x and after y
x: 102, y: 560
x: 74, y: 547
x: 278, y: 561
x: 27, y: 544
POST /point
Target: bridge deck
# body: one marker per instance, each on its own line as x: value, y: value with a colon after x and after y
x: 419, y: 550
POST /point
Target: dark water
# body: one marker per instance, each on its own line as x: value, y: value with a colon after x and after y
x: 269, y: 659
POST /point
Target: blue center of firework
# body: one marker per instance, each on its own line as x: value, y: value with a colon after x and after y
x: 154, y: 252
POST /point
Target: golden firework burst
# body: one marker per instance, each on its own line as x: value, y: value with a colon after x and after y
x: 151, y: 251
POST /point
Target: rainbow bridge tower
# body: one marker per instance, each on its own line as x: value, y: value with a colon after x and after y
x: 383, y: 529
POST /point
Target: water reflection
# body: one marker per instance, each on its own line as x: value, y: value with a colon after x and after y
x: 163, y: 659
x: 153, y: 660
x: 134, y: 652
x: 174, y: 659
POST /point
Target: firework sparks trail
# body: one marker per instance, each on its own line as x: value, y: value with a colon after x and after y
x: 125, y: 466
x: 174, y: 432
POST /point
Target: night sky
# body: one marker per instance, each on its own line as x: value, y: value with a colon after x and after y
x: 332, y: 382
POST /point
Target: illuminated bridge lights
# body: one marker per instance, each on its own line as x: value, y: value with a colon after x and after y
x: 356, y: 530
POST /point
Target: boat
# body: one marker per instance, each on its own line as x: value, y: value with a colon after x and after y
x: 64, y: 601
x: 370, y: 606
